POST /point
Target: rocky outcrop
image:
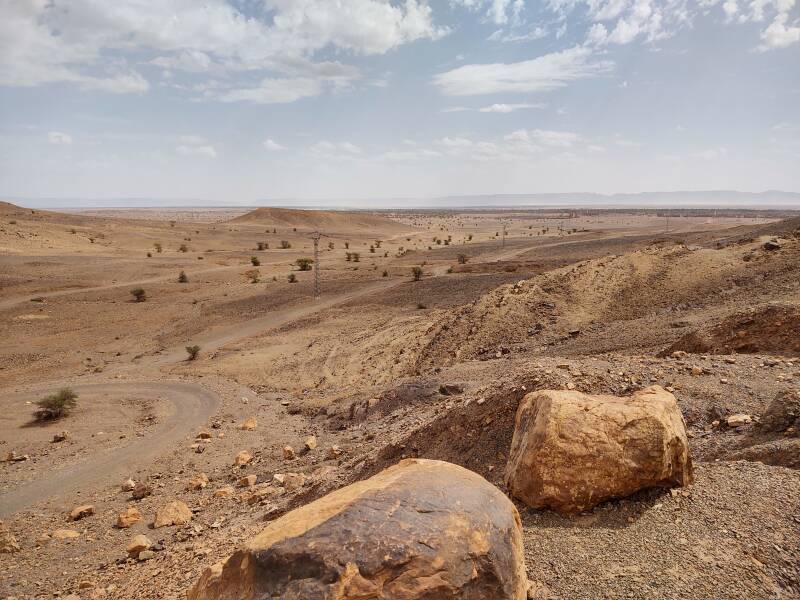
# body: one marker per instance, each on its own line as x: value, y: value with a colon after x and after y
x: 419, y: 529
x: 572, y: 451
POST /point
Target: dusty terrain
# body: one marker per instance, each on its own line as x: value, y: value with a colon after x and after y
x: 382, y: 367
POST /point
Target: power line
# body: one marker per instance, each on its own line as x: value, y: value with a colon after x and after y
x: 315, y: 236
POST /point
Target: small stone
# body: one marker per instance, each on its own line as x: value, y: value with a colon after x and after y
x: 146, y: 555
x: 198, y: 482
x: 141, y: 490
x: 60, y: 437
x: 248, y: 481
x: 203, y: 435
x: 8, y: 543
x: 311, y: 442
x: 131, y: 516
x: 293, y: 481
x: 288, y: 453
x: 738, y: 420
x: 224, y: 492
x: 138, y: 544
x: 243, y: 458
x: 334, y: 452
x: 128, y: 485
x: 79, y: 512
x: 85, y: 584
x: 697, y: 370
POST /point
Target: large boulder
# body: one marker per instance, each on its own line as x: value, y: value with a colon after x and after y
x: 572, y: 451
x: 419, y: 529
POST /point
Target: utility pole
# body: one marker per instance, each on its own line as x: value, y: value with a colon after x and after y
x: 315, y: 236
x: 504, y: 235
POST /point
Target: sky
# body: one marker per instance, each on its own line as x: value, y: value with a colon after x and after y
x: 239, y: 100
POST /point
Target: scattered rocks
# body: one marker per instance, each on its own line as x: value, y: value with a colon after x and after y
x: 8, y: 543
x: 131, y: 516
x: 172, y: 513
x: 420, y: 529
x: 572, y: 451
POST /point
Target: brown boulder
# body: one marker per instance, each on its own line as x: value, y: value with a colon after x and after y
x: 79, y: 512
x: 420, y: 529
x: 243, y: 458
x: 172, y: 513
x: 572, y: 451
x: 131, y: 516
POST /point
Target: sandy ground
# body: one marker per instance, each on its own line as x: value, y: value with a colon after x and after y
x: 360, y: 369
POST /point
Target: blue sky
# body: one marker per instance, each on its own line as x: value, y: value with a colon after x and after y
x: 246, y: 99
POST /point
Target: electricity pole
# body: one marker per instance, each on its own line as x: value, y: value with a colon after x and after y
x: 504, y: 236
x: 315, y: 236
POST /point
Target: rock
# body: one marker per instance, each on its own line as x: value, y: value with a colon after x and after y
x: 311, y: 442
x: 198, y: 482
x: 421, y: 529
x: 334, y: 452
x: 738, y: 420
x: 138, y: 544
x: 451, y: 389
x: 203, y: 434
x: 243, y: 458
x: 141, y: 490
x: 128, y: 485
x: 85, y: 584
x: 248, y: 481
x: 679, y: 354
x: 696, y: 371
x: 224, y: 492
x: 146, y: 555
x: 288, y: 453
x: 782, y: 414
x: 772, y: 245
x: 8, y: 543
x: 79, y: 512
x: 172, y: 513
x: 60, y: 437
x: 14, y: 457
x: 290, y: 481
x: 572, y: 451
x: 131, y: 516
x: 64, y: 534
x: 249, y: 424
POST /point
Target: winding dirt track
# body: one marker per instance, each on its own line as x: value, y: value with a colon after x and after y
x: 191, y: 406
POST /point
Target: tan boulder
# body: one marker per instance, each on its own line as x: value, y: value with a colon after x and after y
x: 131, y: 516
x: 128, y: 485
x: 572, y: 451
x: 420, y: 529
x: 198, y: 482
x: 248, y: 481
x: 138, y: 544
x: 203, y: 434
x: 243, y: 458
x: 65, y: 534
x: 8, y: 543
x: 224, y: 492
x: 172, y: 513
x: 311, y: 442
x: 249, y: 424
x: 79, y: 512
x: 288, y: 453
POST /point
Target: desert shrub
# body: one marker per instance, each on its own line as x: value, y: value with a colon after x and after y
x: 449, y: 270
x: 72, y: 231
x: 254, y: 275
x: 261, y: 246
x: 149, y: 255
x: 469, y: 237
x: 348, y: 256
x: 285, y: 245
x: 183, y: 248
x: 255, y: 261
x: 347, y: 245
x: 292, y: 278
x: 330, y: 245
x: 193, y: 351
x: 386, y: 273
x: 421, y: 306
x: 356, y: 257
x: 304, y: 264
x: 139, y: 294
x: 183, y: 278
x: 416, y: 272
x: 158, y: 247
x: 56, y: 405
x: 12, y: 222
x: 462, y: 259
x: 372, y: 249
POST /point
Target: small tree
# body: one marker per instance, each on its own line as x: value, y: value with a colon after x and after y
x: 255, y: 261
x: 193, y: 351
x: 139, y: 294
x: 182, y: 278
x: 56, y: 405
x: 347, y: 245
x: 304, y: 264
x: 416, y: 272
x: 356, y: 257
x: 386, y: 273
x: 292, y: 278
x: 348, y: 256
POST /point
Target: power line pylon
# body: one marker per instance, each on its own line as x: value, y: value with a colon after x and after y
x: 315, y: 236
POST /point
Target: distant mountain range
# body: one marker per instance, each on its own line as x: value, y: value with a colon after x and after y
x: 679, y: 199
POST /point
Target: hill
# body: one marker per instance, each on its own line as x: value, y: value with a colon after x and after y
x: 317, y: 219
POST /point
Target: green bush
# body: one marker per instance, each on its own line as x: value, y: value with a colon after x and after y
x: 292, y: 278
x: 56, y: 405
x: 304, y: 264
x: 416, y: 272
x: 193, y: 351
x: 139, y: 294
x: 254, y: 260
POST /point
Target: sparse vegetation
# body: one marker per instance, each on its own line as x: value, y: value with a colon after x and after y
x: 421, y: 306
x: 193, y: 351
x: 462, y: 259
x: 158, y: 247
x: 183, y: 248
x: 285, y: 245
x: 262, y: 246
x: 254, y: 275
x: 386, y: 273
x: 56, y: 405
x: 356, y: 257
x: 255, y: 261
x: 183, y: 278
x: 139, y: 295
x: 304, y: 264
x: 416, y: 273
x: 292, y: 278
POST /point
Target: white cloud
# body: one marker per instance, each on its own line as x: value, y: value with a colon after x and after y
x: 496, y: 11
x: 275, y: 91
x: 193, y: 140
x: 541, y: 74
x: 58, y: 137
x: 272, y: 145
x: 536, y: 33
x: 508, y: 108
x: 779, y: 34
x: 553, y: 139
x: 335, y: 150
x: 202, y: 151
x: 710, y: 154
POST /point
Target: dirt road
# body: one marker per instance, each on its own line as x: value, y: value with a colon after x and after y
x: 191, y: 406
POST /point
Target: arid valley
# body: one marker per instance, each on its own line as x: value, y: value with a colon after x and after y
x: 429, y: 330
